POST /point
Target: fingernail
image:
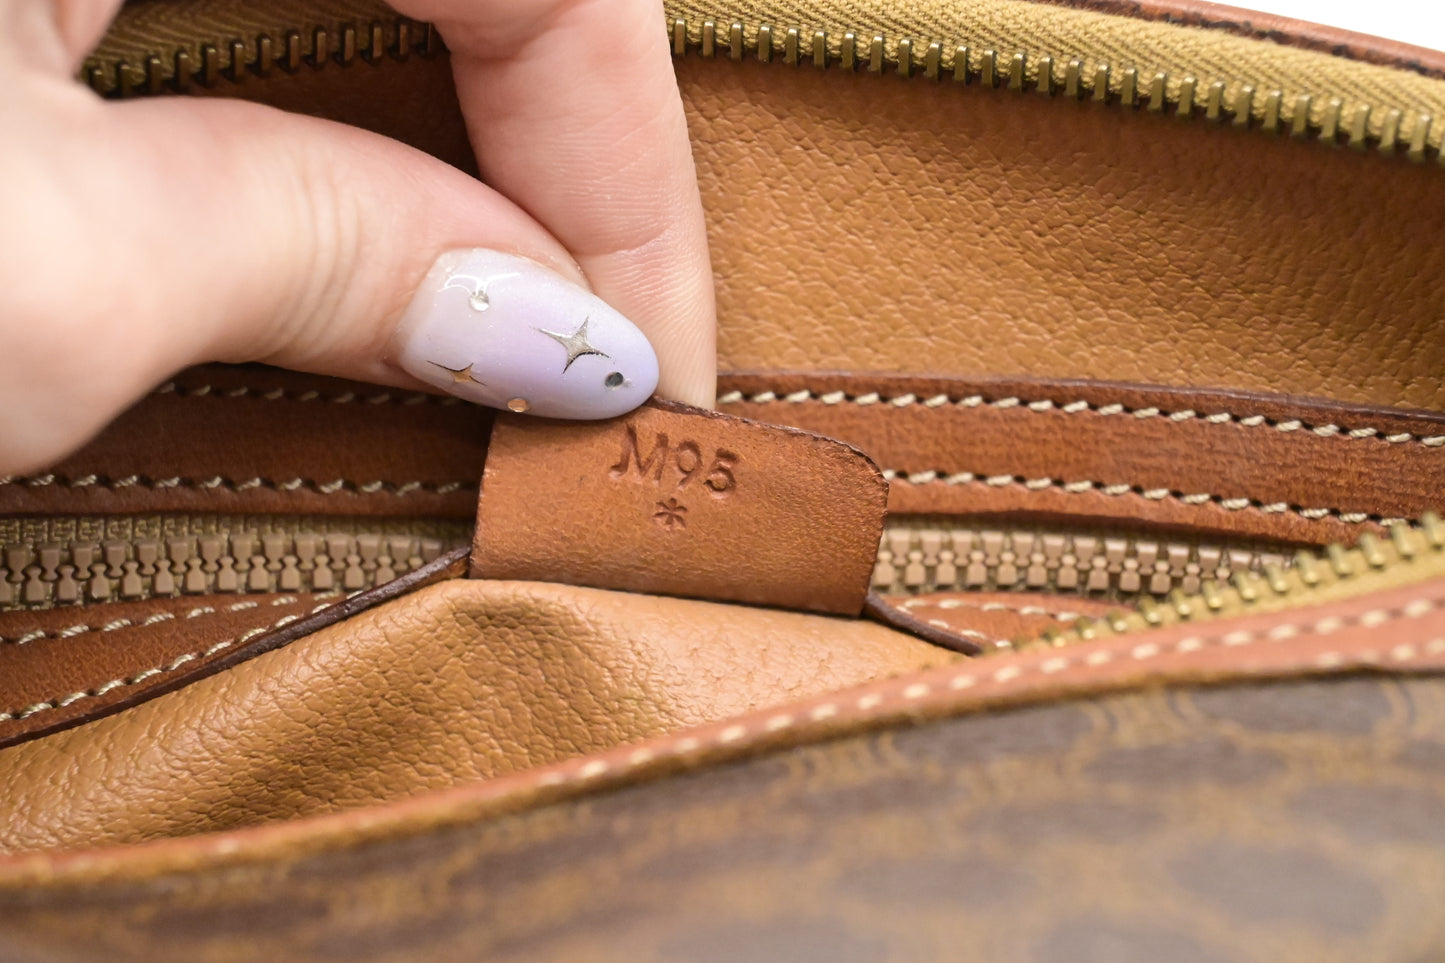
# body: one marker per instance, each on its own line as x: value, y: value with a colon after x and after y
x: 503, y: 331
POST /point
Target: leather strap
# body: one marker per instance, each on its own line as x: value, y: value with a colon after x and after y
x: 674, y: 500
x: 257, y: 440
x: 1252, y: 465
x: 254, y: 439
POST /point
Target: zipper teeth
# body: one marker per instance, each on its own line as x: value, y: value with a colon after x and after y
x: 1242, y: 105
x: 44, y: 574
x: 234, y: 59
x: 920, y: 557
x: 1406, y: 552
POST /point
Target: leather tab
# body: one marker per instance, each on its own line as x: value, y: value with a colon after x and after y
x: 673, y: 500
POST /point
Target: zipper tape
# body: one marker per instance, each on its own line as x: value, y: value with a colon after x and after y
x: 1068, y: 55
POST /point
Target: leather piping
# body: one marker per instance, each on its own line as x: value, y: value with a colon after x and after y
x: 875, y: 607
x: 1398, y: 631
x: 447, y: 566
x: 1287, y: 31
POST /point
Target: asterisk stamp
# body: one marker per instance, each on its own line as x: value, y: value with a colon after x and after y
x: 669, y: 514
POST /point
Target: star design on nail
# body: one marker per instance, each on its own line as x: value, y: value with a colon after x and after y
x: 476, y: 290
x: 460, y: 376
x: 576, y: 344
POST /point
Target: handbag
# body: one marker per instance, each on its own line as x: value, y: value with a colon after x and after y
x: 1055, y: 580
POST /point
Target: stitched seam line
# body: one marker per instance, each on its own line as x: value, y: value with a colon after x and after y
x: 281, y: 394
x: 973, y: 634
x: 874, y: 399
x: 75, y: 631
x: 1152, y: 494
x: 1007, y: 675
x: 60, y: 702
x: 868, y: 399
x: 948, y: 604
x: 339, y: 486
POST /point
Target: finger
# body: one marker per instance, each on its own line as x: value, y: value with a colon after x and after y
x: 54, y: 36
x: 574, y: 113
x: 157, y: 234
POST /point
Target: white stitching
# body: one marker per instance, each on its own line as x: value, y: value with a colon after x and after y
x: 322, y: 488
x: 908, y: 690
x: 58, y: 702
x: 953, y: 603
x: 1075, y: 407
x: 1152, y: 494
x: 806, y: 395
x: 71, y: 631
x: 281, y: 394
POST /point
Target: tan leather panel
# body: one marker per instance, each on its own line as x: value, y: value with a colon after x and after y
x: 226, y: 439
x: 679, y: 501
x: 871, y: 223
x: 460, y: 681
x: 62, y: 664
x: 1292, y: 469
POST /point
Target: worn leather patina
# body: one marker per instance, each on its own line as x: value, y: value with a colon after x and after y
x: 993, y: 245
x: 1293, y: 821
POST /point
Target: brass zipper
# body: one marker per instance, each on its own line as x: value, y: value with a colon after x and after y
x: 1408, y: 553
x: 79, y: 560
x: 1158, y: 582
x: 259, y: 52
x: 236, y: 58
x: 46, y: 562
x: 918, y: 556
x: 1236, y: 101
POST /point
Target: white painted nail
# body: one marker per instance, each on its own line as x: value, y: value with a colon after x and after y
x: 503, y: 331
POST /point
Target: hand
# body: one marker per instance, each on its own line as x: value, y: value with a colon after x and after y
x: 144, y: 236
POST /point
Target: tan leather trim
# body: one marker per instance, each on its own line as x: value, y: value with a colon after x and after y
x: 674, y: 500
x: 1400, y: 631
x: 1396, y: 631
x: 96, y: 679
x: 1291, y: 32
x: 1255, y: 464
x: 237, y: 439
x: 996, y: 620
x: 61, y: 665
x: 1293, y: 469
x: 461, y: 681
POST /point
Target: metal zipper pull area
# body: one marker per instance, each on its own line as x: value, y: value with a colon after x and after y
x: 83, y: 560
x: 933, y: 555
x: 1408, y: 553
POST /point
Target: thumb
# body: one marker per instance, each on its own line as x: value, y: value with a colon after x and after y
x: 181, y: 231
